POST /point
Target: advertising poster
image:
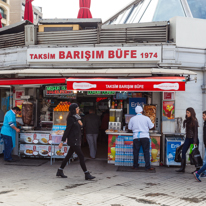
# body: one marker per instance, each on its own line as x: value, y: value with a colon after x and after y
x: 18, y: 103
x: 155, y: 158
x: 133, y: 102
x: 168, y: 112
x: 111, y: 148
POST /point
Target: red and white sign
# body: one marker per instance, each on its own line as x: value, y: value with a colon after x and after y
x: 144, y: 84
x: 19, y: 93
x: 97, y: 54
x: 169, y: 95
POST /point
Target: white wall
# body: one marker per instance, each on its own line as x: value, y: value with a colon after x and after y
x: 188, y: 32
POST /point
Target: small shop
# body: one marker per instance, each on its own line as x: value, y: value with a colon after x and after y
x: 45, y: 106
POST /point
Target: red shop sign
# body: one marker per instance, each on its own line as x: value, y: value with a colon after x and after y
x: 143, y: 84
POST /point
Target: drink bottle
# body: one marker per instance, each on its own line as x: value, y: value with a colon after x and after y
x: 83, y: 85
x: 167, y: 86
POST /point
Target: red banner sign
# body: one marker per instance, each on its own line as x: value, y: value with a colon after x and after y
x: 145, y: 84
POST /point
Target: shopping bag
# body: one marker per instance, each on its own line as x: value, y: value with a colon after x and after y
x: 195, y: 155
x: 191, y: 159
x: 190, y: 156
x: 178, y: 153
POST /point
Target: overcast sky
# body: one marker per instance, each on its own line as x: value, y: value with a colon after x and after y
x: 103, y: 9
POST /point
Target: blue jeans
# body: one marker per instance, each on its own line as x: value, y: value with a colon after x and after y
x: 8, y: 147
x: 202, y: 170
x: 186, y: 146
x: 204, y: 161
x: 145, y: 143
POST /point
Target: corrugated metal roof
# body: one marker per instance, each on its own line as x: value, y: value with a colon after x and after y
x: 14, y: 28
x: 82, y: 22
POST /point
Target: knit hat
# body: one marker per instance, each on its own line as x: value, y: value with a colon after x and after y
x: 73, y: 106
x: 138, y: 109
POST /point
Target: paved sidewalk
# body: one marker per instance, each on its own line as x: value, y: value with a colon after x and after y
x: 38, y: 186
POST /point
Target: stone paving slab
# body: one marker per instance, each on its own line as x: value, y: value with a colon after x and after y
x: 38, y: 186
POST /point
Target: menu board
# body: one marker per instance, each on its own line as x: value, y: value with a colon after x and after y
x: 150, y: 111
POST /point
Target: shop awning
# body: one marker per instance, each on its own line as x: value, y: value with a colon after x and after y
x: 152, y: 84
x: 32, y: 81
x: 126, y: 72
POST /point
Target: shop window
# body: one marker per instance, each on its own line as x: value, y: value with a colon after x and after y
x: 143, y: 6
x: 167, y: 9
x: 6, y: 100
x: 2, y: 12
x: 135, y: 12
x: 122, y: 17
x: 23, y: 7
x: 198, y: 8
x: 149, y: 13
x: 35, y: 16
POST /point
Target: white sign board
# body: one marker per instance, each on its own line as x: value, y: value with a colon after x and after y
x: 98, y: 54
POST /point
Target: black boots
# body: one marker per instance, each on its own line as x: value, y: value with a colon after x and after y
x: 183, y: 165
x: 60, y: 173
x: 88, y: 176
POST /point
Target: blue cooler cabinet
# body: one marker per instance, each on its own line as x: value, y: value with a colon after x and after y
x: 171, y: 144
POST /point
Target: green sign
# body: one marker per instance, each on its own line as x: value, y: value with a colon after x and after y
x: 57, y: 90
x: 101, y: 93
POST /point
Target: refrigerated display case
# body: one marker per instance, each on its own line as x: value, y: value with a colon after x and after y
x: 163, y: 144
x: 171, y: 143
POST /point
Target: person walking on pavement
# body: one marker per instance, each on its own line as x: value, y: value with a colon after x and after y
x: 191, y: 125
x: 140, y: 126
x: 204, y: 140
x: 92, y: 124
x: 8, y: 132
x: 198, y: 173
x: 72, y: 136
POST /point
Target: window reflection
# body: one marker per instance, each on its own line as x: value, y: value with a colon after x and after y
x: 2, y: 12
x: 166, y: 11
x: 135, y: 12
x: 122, y: 17
x: 149, y: 13
x: 140, y: 13
x: 198, y: 8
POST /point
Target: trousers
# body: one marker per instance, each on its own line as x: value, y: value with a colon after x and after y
x: 8, y: 147
x: 145, y: 143
x: 92, y: 141
x: 78, y: 151
x: 186, y: 146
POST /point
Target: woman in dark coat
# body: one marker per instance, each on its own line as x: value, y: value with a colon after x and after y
x: 191, y: 125
x: 72, y: 135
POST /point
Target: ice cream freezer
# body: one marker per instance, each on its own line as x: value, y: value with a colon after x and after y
x: 171, y: 142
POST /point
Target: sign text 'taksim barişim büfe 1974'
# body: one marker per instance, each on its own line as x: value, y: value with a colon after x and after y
x: 97, y: 54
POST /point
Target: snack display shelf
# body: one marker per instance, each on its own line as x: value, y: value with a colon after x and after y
x: 35, y: 144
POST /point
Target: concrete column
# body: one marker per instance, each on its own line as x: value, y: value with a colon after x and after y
x: 204, y: 89
x: 203, y: 101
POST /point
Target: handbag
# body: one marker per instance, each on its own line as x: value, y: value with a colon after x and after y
x: 195, y: 155
x: 178, y: 153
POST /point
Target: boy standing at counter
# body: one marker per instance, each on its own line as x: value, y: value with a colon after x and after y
x: 140, y: 125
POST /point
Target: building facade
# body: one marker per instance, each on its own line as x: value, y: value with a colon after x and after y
x: 181, y: 41
x: 5, y: 11
x: 17, y: 11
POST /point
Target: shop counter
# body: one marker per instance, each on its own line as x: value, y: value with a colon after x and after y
x: 128, y: 140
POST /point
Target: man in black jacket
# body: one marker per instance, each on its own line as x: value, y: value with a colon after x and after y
x: 204, y: 140
x: 92, y: 123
